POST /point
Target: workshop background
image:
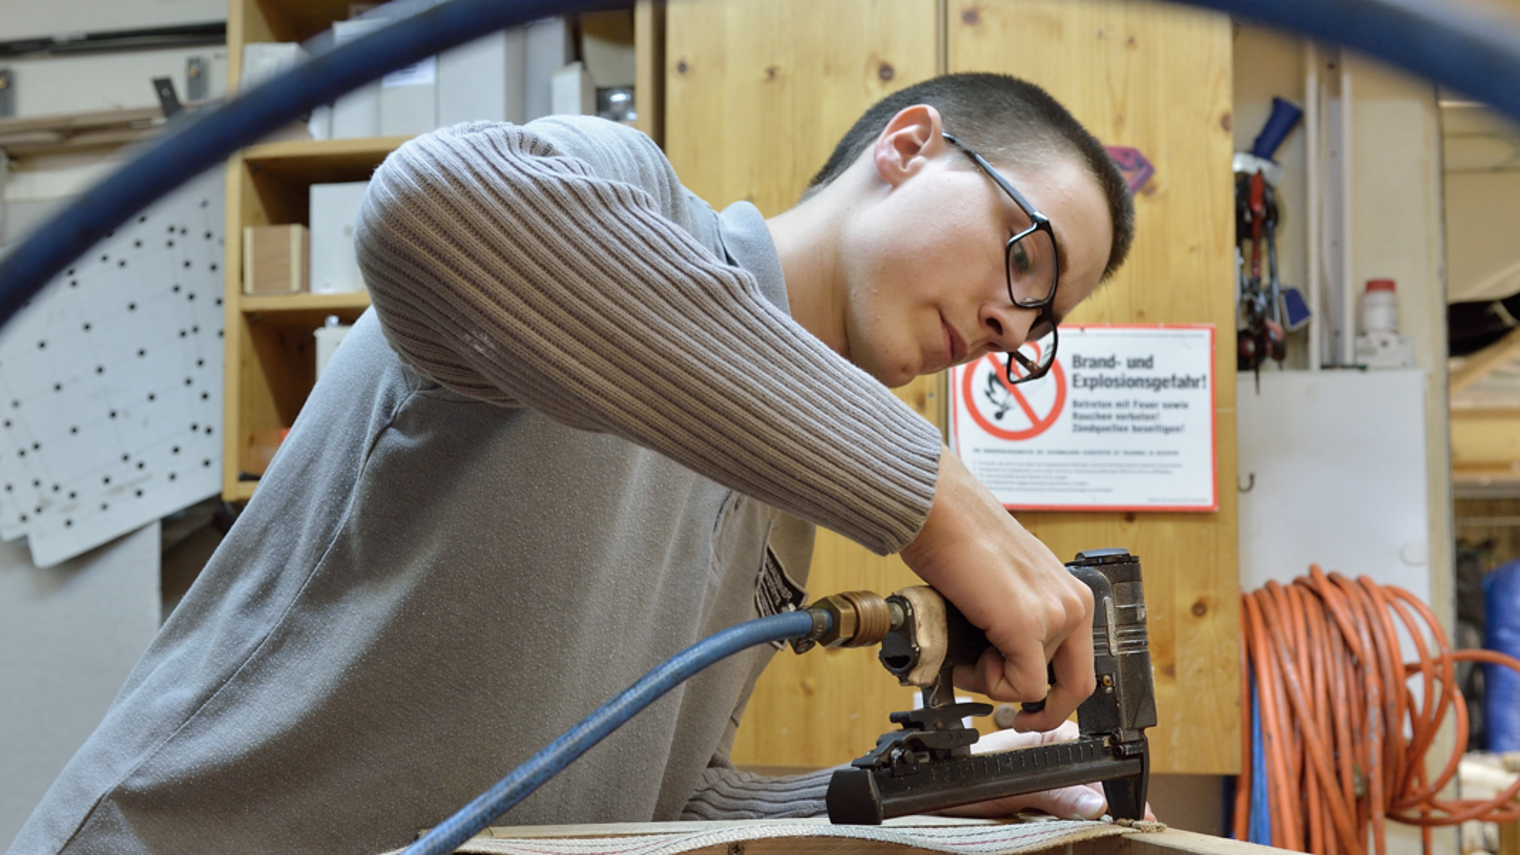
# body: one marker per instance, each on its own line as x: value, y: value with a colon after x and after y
x: 1406, y: 469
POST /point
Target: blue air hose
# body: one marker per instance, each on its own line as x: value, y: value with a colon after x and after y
x: 1450, y: 45
x: 1261, y: 807
x: 523, y: 780
x: 193, y: 144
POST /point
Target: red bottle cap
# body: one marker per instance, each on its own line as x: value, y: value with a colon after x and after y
x: 1380, y: 285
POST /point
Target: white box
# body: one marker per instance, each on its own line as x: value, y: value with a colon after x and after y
x: 357, y: 114
x: 263, y: 60
x: 328, y: 338
x: 320, y: 125
x: 574, y: 93
x: 409, y: 99
x: 334, y: 212
x: 550, y: 45
x: 483, y: 80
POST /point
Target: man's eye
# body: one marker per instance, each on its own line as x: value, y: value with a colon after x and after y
x: 1018, y: 260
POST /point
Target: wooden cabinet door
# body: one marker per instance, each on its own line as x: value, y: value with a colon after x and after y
x: 1157, y: 78
x: 757, y: 94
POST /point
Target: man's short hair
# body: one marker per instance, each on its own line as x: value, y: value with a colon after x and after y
x: 1006, y: 120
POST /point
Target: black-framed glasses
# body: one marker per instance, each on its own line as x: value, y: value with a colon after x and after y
x: 1032, y: 264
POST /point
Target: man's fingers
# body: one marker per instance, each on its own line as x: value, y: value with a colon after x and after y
x: 1024, y: 679
x: 1079, y: 802
x: 1073, y: 667
x: 1009, y: 740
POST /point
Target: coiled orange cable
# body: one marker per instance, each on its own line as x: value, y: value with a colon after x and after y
x: 1344, y: 735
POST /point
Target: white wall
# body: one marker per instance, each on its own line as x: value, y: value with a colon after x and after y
x: 50, y: 86
x: 68, y: 637
x: 32, y: 18
x: 70, y: 634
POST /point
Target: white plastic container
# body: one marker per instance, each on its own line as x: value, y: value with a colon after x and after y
x: 1380, y: 307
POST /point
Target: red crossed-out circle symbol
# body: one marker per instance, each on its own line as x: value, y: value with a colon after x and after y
x: 1010, y: 398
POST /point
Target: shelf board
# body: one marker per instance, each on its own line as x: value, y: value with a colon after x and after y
x: 272, y: 303
x: 313, y: 161
x: 298, y: 22
x: 240, y: 491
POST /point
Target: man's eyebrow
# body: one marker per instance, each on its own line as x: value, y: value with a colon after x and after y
x: 1060, y: 250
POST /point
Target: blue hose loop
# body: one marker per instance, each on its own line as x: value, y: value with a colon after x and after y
x: 208, y: 138
x: 1260, y: 807
x: 1450, y: 45
x: 475, y: 816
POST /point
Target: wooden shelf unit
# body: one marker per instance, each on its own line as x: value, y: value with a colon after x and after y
x: 270, y: 349
x: 271, y: 358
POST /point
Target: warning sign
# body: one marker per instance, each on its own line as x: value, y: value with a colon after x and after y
x: 1027, y: 413
x: 1123, y: 421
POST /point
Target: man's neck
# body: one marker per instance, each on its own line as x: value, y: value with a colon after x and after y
x: 807, y: 240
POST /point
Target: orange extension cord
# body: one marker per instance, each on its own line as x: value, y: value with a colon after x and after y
x: 1344, y: 737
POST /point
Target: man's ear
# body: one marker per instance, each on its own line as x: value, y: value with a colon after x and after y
x: 907, y: 143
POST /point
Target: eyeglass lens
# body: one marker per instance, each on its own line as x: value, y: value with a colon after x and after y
x: 1032, y: 269
x: 1033, y: 358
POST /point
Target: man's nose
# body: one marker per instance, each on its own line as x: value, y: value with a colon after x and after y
x: 1008, y: 325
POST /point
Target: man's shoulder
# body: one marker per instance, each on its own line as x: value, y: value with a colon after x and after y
x: 611, y: 149
x: 617, y: 152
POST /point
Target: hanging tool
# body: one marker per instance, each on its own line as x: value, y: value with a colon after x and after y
x: 928, y: 764
x: 1260, y: 333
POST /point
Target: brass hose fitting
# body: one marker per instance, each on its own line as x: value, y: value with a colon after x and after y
x: 858, y: 619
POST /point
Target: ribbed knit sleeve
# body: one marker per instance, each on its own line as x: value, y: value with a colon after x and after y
x: 506, y: 269
x: 725, y: 793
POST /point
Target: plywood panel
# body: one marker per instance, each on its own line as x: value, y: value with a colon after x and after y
x: 758, y: 91
x: 757, y: 94
x: 1159, y: 79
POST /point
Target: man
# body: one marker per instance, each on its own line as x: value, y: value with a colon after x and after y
x: 582, y: 429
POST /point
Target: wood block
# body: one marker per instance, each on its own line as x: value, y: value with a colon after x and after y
x: 276, y: 259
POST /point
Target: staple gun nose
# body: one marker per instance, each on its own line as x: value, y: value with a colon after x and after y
x: 928, y: 765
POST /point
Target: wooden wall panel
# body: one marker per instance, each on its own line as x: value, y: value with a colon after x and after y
x: 758, y: 91
x: 1157, y: 78
x: 757, y: 94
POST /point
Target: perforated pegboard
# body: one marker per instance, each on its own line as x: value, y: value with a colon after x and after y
x: 111, y: 383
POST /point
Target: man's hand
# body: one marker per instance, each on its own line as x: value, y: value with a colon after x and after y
x: 1012, y: 588
x: 1084, y: 801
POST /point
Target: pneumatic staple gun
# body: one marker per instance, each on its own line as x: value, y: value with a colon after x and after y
x: 928, y: 764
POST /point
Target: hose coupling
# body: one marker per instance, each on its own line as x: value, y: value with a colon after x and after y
x: 848, y: 619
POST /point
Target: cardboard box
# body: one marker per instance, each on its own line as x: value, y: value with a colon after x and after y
x: 484, y: 80
x: 409, y: 99
x: 549, y: 45
x: 329, y: 336
x: 574, y: 94
x: 334, y: 212
x: 276, y: 259
x: 357, y: 114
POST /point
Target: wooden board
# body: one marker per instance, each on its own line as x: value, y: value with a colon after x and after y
x: 1168, y: 841
x: 758, y: 91
x: 1159, y: 79
x: 649, y: 70
x: 1485, y: 446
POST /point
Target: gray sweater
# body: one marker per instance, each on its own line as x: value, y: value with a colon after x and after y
x: 574, y: 436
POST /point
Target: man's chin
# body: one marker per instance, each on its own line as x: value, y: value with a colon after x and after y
x: 896, y: 378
